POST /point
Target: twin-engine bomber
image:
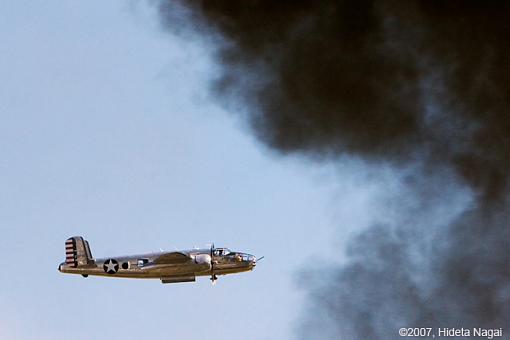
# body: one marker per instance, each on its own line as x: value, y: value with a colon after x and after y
x: 169, y: 267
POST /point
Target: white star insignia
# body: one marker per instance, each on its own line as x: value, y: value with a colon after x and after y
x: 111, y: 266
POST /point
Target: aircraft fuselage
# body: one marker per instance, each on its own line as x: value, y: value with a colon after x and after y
x: 169, y: 267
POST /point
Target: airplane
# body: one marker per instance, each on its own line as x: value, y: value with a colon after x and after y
x: 169, y: 267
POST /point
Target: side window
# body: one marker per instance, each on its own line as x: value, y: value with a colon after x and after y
x: 142, y: 262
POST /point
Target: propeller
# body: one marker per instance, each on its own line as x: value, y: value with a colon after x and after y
x: 260, y: 258
x: 213, y: 276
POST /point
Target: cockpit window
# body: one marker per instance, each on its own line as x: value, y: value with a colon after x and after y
x: 221, y: 252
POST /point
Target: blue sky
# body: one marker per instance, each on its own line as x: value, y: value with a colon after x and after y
x: 107, y: 131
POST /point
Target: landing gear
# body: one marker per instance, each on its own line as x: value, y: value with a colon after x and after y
x: 85, y: 275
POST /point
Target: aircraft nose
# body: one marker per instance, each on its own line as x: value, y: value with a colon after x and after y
x: 255, y: 260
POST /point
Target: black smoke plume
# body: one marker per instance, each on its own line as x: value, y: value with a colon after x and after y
x: 394, y: 82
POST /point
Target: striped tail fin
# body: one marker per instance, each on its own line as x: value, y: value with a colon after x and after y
x: 78, y: 252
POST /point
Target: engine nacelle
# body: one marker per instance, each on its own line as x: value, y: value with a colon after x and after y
x: 203, y: 259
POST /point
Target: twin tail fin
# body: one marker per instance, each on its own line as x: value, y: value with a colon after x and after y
x: 78, y: 252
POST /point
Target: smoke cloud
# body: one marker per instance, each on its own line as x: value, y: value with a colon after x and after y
x: 414, y: 84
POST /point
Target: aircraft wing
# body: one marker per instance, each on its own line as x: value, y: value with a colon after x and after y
x: 172, y: 258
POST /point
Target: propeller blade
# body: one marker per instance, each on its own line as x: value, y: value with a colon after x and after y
x: 260, y: 258
x: 213, y: 277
